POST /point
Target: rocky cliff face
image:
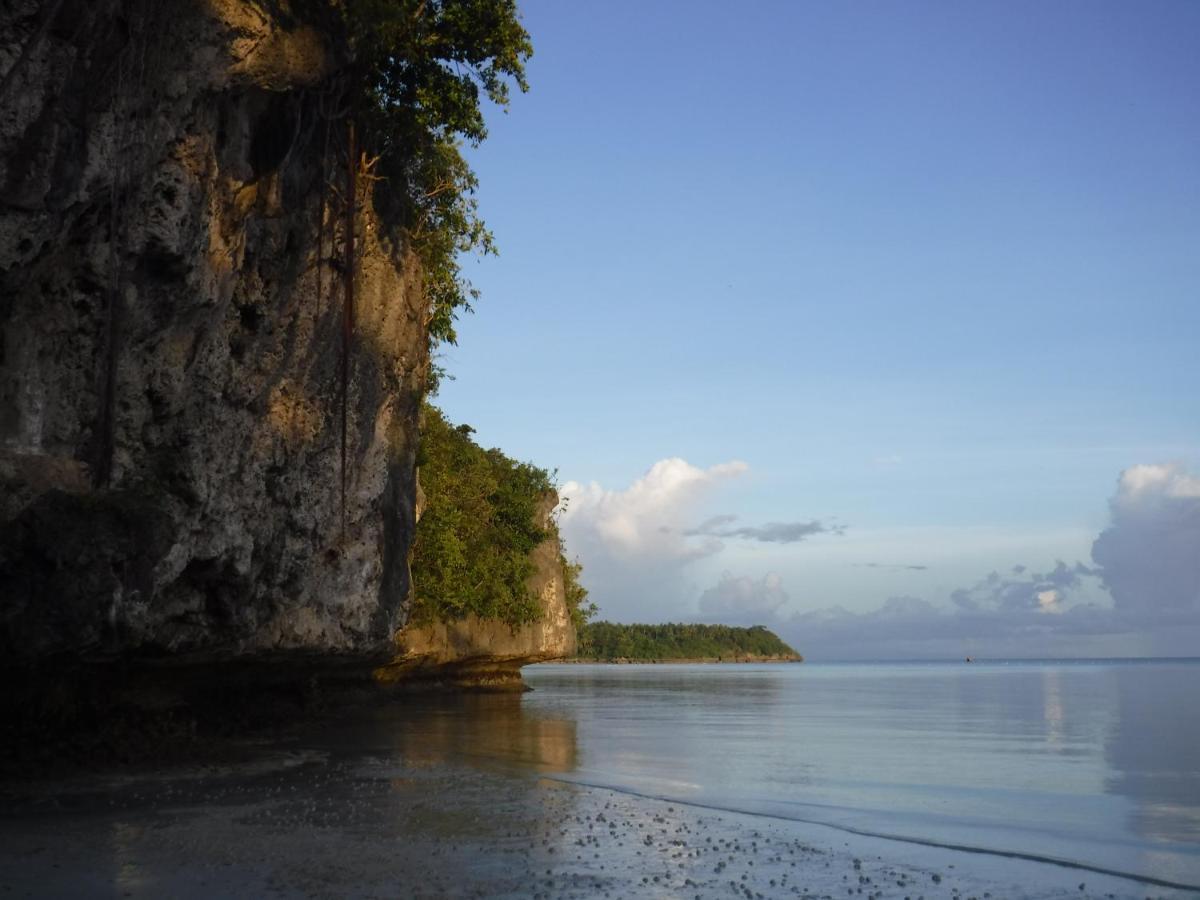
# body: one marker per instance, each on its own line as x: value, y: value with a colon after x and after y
x: 170, y: 465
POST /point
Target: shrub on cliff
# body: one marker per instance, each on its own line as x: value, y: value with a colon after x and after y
x: 483, y: 517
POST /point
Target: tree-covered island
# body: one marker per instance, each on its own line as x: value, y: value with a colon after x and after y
x: 680, y: 642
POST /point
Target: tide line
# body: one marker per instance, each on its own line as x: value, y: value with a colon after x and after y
x: 903, y: 838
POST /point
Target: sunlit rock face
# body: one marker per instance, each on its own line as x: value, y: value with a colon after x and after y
x: 170, y: 413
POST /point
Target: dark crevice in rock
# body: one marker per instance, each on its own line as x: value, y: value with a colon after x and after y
x: 273, y: 134
x: 161, y: 263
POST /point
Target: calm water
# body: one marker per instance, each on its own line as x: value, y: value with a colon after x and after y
x: 1095, y: 763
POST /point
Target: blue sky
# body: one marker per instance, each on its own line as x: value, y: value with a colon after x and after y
x: 931, y: 271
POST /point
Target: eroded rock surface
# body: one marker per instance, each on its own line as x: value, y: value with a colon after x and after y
x: 170, y: 468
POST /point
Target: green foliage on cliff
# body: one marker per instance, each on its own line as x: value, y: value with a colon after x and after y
x: 484, y: 515
x: 420, y: 72
x: 478, y: 528
x: 609, y: 640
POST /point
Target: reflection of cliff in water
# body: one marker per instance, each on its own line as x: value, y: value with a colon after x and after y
x: 493, y: 730
x: 358, y: 800
x: 1154, y: 749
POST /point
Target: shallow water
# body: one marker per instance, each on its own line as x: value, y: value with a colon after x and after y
x: 1093, y: 763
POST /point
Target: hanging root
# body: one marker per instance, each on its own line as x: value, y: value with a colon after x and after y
x: 348, y: 297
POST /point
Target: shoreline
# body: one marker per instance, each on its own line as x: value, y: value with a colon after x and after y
x: 388, y: 804
x: 699, y: 660
x: 363, y: 826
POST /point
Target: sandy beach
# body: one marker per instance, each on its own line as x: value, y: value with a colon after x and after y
x: 375, y: 807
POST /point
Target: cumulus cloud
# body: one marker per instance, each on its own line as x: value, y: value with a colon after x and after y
x: 643, y: 519
x: 633, y: 542
x: 743, y: 600
x: 1149, y: 556
x: 772, y: 532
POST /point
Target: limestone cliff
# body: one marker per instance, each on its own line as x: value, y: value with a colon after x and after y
x: 174, y: 496
x: 170, y: 467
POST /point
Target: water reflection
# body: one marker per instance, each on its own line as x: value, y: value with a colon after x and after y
x: 1154, y: 750
x: 491, y: 730
x: 1052, y: 709
x: 416, y: 777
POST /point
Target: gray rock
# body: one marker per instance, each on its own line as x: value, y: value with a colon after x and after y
x: 170, y: 470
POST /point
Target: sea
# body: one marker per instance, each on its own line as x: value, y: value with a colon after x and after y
x: 1093, y: 764
x: 1027, y: 779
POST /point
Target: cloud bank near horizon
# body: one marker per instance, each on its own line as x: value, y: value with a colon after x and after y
x: 637, y: 544
x: 1148, y: 560
x: 1140, y: 592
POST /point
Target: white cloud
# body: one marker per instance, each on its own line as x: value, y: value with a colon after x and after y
x: 632, y: 541
x: 643, y: 519
x: 1149, y: 556
x: 1151, y: 481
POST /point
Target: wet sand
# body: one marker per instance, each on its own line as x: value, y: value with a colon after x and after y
x: 380, y: 809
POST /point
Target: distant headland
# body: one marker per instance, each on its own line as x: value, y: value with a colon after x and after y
x: 680, y: 642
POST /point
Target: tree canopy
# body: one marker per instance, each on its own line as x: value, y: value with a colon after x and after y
x: 419, y: 73
x: 609, y: 640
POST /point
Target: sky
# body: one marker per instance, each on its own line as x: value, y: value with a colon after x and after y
x: 875, y: 323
